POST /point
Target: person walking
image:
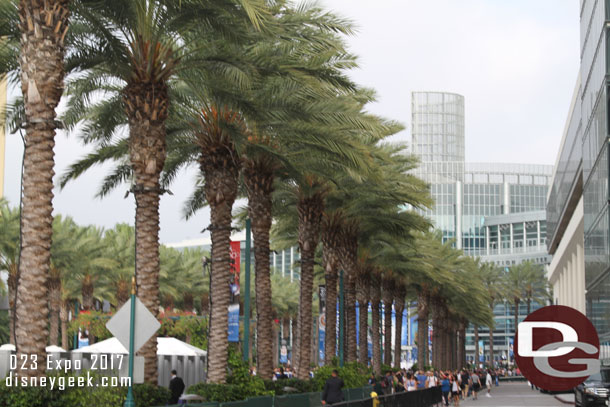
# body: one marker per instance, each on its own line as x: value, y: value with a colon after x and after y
x: 446, y: 389
x: 488, y: 382
x: 455, y: 390
x: 411, y: 382
x: 464, y: 383
x: 332, y: 389
x: 476, y: 384
x: 432, y: 380
x: 176, y: 387
x: 421, y: 380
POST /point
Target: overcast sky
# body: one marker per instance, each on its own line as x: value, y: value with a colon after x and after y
x: 514, y: 61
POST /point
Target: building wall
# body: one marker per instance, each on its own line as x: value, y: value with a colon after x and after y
x: 567, y: 269
x: 594, y: 110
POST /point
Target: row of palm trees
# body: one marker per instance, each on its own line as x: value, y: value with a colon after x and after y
x: 256, y: 96
x: 90, y: 265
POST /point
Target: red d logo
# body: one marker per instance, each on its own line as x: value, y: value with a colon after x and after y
x: 557, y: 348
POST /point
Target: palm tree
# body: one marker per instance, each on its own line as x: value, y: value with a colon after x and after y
x: 137, y: 45
x: 514, y: 286
x: 375, y: 293
x: 38, y: 37
x: 491, y: 277
x: 400, y: 292
x: 536, y: 285
x: 9, y: 254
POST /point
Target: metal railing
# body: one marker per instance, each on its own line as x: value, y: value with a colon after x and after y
x: 359, y: 397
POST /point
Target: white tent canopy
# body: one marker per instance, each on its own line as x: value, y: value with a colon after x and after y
x: 49, y: 349
x: 165, y: 347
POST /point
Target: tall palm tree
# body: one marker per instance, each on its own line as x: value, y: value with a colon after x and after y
x: 137, y: 48
x: 399, y: 292
x: 536, y: 285
x: 514, y: 286
x: 491, y: 277
x: 38, y: 35
x: 9, y: 254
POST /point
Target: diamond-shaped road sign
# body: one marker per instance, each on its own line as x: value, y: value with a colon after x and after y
x: 146, y: 325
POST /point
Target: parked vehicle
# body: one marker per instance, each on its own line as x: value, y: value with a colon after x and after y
x: 595, y: 390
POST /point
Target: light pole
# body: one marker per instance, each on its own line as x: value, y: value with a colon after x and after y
x: 246, y: 351
x: 341, y: 319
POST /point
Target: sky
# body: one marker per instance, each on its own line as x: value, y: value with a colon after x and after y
x: 514, y: 61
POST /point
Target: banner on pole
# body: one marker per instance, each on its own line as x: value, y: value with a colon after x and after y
x: 234, y: 323
x: 235, y: 266
x: 321, y: 323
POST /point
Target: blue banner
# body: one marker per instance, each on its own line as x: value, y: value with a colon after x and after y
x: 405, y: 329
x: 321, y: 337
x: 234, y: 323
x: 481, y: 350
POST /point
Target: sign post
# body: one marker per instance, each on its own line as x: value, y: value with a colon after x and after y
x: 133, y: 325
x: 129, y: 401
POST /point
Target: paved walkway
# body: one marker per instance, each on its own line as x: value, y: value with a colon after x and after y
x: 517, y: 394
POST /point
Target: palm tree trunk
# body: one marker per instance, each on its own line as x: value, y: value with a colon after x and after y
x: 258, y: 178
x: 387, y: 316
x: 462, y: 343
x: 516, y: 302
x: 348, y: 250
x: 350, y: 317
x: 43, y: 26
x: 87, y: 292
x: 188, y: 302
x: 12, y: 289
x: 399, y: 304
x: 529, y: 305
x: 376, y: 327
x: 436, y: 333
x: 122, y: 292
x: 55, y: 304
x: 330, y: 274
x: 63, y: 316
x: 362, y: 294
x: 423, y: 310
x: 310, y: 216
x: 331, y: 228
x: 491, y: 346
x: 476, y: 345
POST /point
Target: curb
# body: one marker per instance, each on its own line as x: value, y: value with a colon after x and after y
x: 564, y: 401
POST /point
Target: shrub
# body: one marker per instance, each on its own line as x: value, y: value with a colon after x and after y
x: 148, y: 395
x: 353, y: 375
x: 302, y: 386
x: 240, y: 384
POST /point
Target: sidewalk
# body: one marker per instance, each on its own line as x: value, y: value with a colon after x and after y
x: 516, y: 394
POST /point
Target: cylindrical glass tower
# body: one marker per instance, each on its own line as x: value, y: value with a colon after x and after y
x: 438, y: 126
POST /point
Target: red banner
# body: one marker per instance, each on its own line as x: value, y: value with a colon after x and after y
x: 235, y: 262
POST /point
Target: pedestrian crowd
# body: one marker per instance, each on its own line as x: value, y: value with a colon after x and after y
x: 455, y: 385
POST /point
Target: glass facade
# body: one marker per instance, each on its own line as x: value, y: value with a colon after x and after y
x: 594, y: 116
x: 487, y: 190
x: 468, y: 195
x: 582, y: 166
x: 438, y: 126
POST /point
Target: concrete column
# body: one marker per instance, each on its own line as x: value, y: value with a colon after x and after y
x: 524, y: 239
x: 291, y: 264
x: 486, y: 241
x: 458, y: 214
x: 511, y: 238
x: 506, y: 199
x: 538, y: 234
x: 580, y: 256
